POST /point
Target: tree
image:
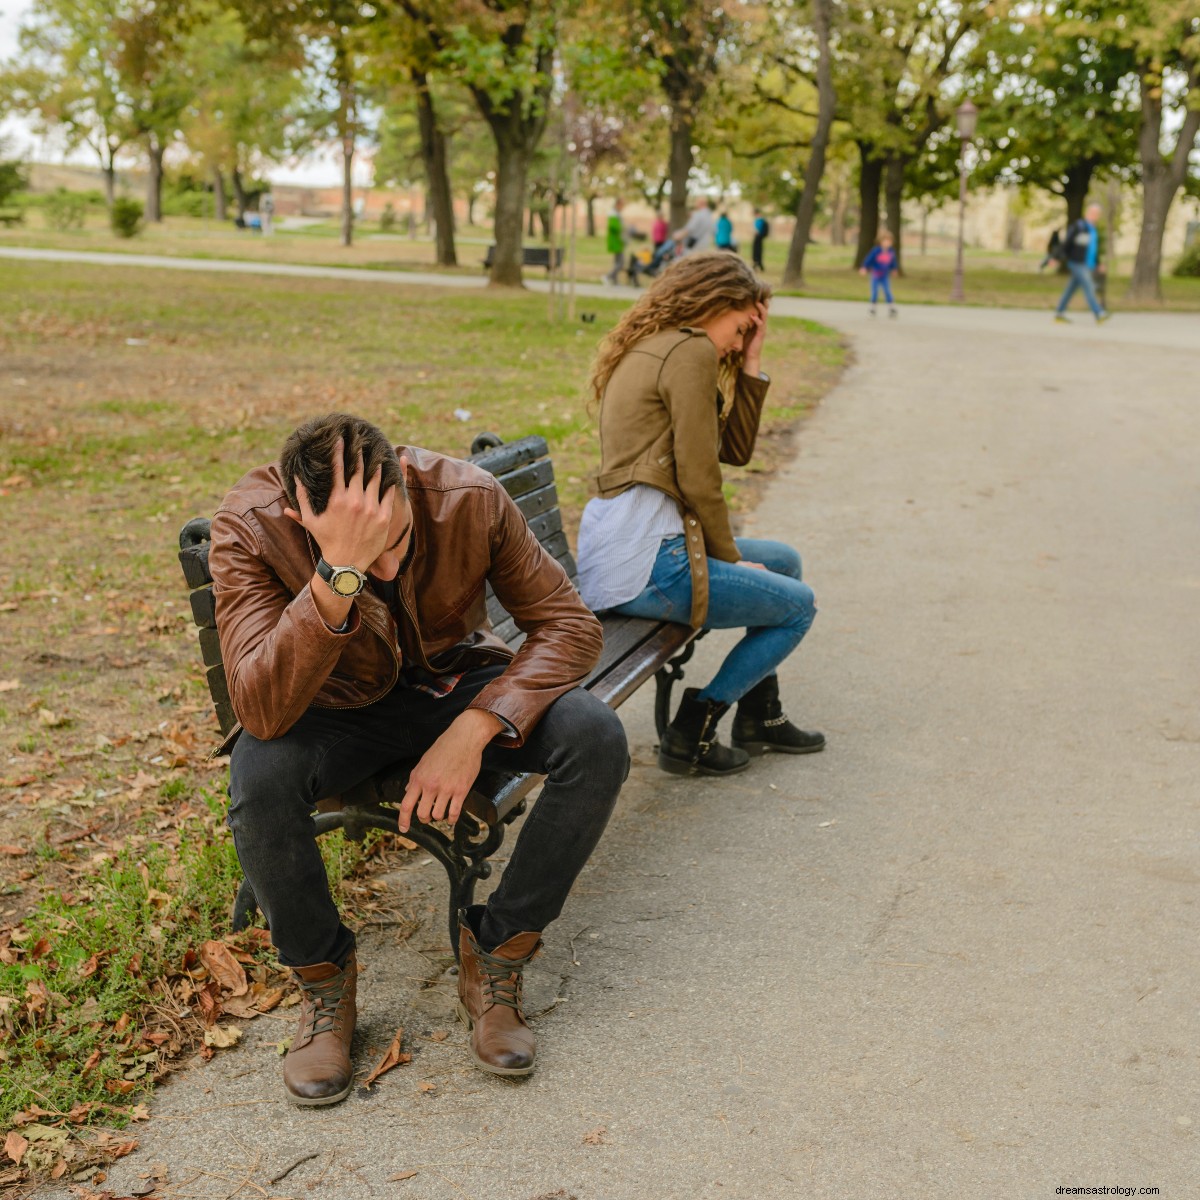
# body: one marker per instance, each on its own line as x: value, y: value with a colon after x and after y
x: 244, y: 93
x: 503, y: 52
x: 1165, y: 38
x: 1060, y: 108
x: 67, y: 77
x: 894, y: 62
x: 683, y: 38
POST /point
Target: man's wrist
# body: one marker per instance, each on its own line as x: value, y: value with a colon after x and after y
x: 479, y: 724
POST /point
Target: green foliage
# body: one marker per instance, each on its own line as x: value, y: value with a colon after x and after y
x: 126, y: 216
x: 1188, y: 267
x: 387, y: 218
x: 90, y: 958
x: 12, y: 179
x: 185, y: 196
x: 64, y: 210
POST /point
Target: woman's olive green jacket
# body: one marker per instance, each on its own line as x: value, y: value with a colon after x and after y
x: 664, y: 422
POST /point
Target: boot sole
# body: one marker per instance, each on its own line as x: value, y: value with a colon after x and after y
x: 673, y: 766
x: 465, y: 1018
x: 319, y: 1101
x: 757, y: 749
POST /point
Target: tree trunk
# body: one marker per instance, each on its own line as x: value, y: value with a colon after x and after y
x: 894, y: 192
x: 345, y: 122
x: 681, y: 167
x: 471, y: 207
x: 347, y: 188
x: 1162, y: 177
x: 591, y: 216
x: 870, y: 181
x: 924, y: 230
x: 1075, y: 190
x: 154, y: 180
x: 529, y: 214
x: 239, y: 192
x: 512, y: 167
x: 219, y: 194
x: 433, y: 153
x: 814, y: 170
x: 110, y: 184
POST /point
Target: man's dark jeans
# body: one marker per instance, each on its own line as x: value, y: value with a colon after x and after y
x: 579, y: 744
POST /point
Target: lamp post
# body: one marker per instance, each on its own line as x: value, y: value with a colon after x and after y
x: 965, y: 115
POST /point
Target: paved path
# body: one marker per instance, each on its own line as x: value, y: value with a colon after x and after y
x: 952, y: 957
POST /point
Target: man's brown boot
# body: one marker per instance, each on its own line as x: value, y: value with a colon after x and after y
x: 489, y: 1001
x: 317, y: 1067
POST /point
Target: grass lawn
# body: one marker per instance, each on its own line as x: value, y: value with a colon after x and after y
x: 130, y: 400
x: 994, y: 279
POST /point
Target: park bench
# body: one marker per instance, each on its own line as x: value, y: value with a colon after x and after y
x: 13, y: 217
x: 634, y: 650
x: 531, y: 256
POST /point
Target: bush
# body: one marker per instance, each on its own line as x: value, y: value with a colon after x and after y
x: 64, y: 210
x: 184, y: 195
x: 12, y: 180
x: 387, y: 218
x: 126, y: 217
x: 1189, y: 265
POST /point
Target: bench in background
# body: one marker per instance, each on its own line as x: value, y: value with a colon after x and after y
x: 531, y: 256
x: 634, y: 651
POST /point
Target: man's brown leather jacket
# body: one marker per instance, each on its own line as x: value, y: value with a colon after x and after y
x: 281, y: 658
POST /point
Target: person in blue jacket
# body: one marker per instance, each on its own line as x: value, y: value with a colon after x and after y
x: 1082, y: 246
x: 724, y: 234
x: 880, y: 264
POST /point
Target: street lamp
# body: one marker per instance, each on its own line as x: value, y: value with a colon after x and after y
x: 966, y: 115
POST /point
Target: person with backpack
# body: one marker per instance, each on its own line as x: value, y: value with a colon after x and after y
x: 1080, y: 250
x: 762, y: 231
x: 724, y: 234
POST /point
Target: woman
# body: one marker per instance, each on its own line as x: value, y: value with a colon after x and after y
x: 680, y: 391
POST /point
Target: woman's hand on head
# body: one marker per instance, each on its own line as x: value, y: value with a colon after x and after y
x: 755, y: 336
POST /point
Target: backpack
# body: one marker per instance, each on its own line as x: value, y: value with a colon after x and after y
x: 1056, y: 248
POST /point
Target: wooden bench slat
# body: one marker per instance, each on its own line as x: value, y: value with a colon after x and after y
x: 511, y: 455
x: 204, y: 607
x: 625, y: 677
x: 533, y: 504
x: 527, y: 478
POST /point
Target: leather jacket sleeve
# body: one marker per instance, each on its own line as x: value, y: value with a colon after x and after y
x: 278, y: 652
x: 741, y: 430
x: 563, y: 638
x: 688, y: 387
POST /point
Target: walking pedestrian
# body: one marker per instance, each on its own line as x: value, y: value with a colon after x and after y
x: 660, y: 230
x: 697, y: 234
x: 1083, y: 261
x: 762, y: 231
x: 724, y: 234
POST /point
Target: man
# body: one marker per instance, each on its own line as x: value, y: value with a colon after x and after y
x: 762, y: 231
x: 349, y: 582
x: 1082, y: 248
x: 697, y: 234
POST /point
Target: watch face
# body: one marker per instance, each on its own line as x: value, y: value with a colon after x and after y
x: 346, y: 583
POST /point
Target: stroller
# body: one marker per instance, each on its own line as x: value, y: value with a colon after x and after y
x: 651, y: 264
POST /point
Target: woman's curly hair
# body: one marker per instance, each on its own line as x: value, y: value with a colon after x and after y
x: 695, y: 288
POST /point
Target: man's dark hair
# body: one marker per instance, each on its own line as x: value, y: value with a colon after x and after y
x: 308, y: 456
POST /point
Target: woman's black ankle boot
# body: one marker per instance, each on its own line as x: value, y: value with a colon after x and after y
x: 760, y: 725
x: 690, y: 746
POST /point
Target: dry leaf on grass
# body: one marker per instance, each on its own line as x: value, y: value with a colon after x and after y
x: 399, y: 1176
x: 393, y: 1058
x: 224, y: 968
x: 15, y: 1146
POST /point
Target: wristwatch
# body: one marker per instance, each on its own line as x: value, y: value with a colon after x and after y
x: 343, y: 581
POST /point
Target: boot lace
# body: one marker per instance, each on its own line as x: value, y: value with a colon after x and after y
x: 325, y: 1004
x: 502, y: 981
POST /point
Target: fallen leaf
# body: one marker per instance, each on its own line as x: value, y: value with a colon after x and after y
x: 597, y: 1137
x: 118, y: 1087
x: 15, y: 851
x: 426, y: 1086
x: 50, y: 719
x: 224, y: 968
x: 399, y: 1176
x: 439, y: 1035
x: 222, y: 1036
x: 393, y: 1058
x: 9, y: 685
x: 59, y: 1169
x: 15, y: 1146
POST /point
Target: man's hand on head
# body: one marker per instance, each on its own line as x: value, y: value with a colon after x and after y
x: 438, y: 785
x: 352, y: 530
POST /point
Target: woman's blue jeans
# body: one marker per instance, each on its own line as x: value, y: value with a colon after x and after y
x: 774, y: 605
